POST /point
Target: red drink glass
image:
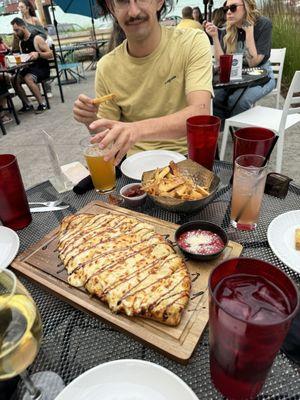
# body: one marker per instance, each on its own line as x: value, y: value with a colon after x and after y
x: 2, y: 61
x: 202, y: 139
x: 252, y: 140
x: 251, y: 306
x: 14, y: 209
x: 225, y: 67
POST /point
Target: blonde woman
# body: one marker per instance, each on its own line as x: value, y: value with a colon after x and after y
x: 249, y: 33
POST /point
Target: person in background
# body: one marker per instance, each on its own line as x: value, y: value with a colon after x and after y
x: 219, y: 18
x: 187, y: 21
x: 39, y: 52
x: 28, y: 13
x: 4, y: 49
x: 197, y: 15
x: 34, y: 25
x: 165, y: 77
x: 250, y: 34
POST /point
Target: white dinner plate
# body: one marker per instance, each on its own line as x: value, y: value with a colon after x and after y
x: 127, y: 380
x: 134, y: 166
x: 281, y: 238
x: 9, y: 246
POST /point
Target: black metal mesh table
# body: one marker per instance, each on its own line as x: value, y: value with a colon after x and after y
x: 74, y: 341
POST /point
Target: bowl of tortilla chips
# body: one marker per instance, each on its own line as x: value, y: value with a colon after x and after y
x: 185, y: 186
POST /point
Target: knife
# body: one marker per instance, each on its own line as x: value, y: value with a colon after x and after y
x: 44, y: 209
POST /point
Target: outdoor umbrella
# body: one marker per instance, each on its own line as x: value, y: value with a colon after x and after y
x: 88, y: 9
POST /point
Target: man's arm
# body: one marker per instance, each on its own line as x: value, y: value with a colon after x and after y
x: 42, y: 49
x: 172, y: 126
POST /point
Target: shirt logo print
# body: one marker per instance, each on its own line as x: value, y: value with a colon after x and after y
x: 170, y: 79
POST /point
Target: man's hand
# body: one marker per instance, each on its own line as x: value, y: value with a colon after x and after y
x: 84, y: 110
x: 119, y: 135
x: 34, y: 55
x: 211, y: 29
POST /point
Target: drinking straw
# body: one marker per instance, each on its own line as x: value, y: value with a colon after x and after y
x: 245, y: 205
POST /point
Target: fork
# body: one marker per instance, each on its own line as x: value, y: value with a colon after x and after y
x: 47, y: 203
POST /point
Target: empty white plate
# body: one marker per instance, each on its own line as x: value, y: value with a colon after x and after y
x: 9, y: 246
x: 134, y: 166
x: 281, y: 238
x: 128, y: 380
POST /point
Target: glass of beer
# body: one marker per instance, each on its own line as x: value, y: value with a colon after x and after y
x: 18, y: 58
x: 251, y: 306
x: 20, y: 337
x: 103, y: 172
x: 247, y: 192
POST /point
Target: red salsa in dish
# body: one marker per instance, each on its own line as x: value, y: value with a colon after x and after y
x: 133, y: 191
x: 200, y: 242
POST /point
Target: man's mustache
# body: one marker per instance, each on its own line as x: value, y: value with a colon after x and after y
x: 139, y: 18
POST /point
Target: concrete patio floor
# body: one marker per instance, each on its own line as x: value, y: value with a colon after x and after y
x: 26, y: 142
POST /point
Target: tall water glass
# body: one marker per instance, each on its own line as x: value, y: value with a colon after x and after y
x: 202, y: 139
x: 225, y: 67
x: 14, y: 208
x: 251, y: 306
x: 252, y: 140
x: 247, y: 192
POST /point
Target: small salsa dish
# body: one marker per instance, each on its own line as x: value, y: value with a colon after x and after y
x: 201, y: 240
x: 133, y: 194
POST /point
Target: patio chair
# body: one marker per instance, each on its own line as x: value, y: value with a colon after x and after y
x: 277, y: 60
x: 10, y: 108
x: 271, y: 118
x: 54, y: 72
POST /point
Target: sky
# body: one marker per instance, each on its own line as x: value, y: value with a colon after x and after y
x: 62, y: 17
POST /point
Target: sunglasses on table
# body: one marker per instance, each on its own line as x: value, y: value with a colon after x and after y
x: 232, y: 8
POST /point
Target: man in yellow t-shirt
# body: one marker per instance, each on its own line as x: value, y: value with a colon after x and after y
x: 187, y: 21
x: 161, y: 76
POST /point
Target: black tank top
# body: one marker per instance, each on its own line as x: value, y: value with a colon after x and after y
x: 27, y: 46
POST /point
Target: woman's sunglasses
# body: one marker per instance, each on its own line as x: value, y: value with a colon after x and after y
x: 232, y: 8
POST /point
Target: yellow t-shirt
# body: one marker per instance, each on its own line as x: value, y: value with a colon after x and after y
x: 186, y: 23
x: 155, y: 85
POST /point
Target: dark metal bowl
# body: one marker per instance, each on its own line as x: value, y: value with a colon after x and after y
x: 200, y: 175
x: 205, y: 226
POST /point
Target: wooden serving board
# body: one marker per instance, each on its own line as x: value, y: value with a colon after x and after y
x: 40, y: 263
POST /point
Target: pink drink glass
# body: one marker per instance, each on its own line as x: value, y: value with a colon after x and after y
x: 14, y: 209
x: 252, y: 140
x: 225, y: 67
x: 251, y: 306
x: 202, y: 139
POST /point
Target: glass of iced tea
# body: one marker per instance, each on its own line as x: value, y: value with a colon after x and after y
x: 103, y: 172
x: 251, y: 306
x: 247, y: 192
x: 20, y: 338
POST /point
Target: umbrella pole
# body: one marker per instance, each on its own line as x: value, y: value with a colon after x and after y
x: 205, y: 2
x: 94, y: 30
x: 210, y: 6
x: 66, y: 81
x: 56, y: 30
